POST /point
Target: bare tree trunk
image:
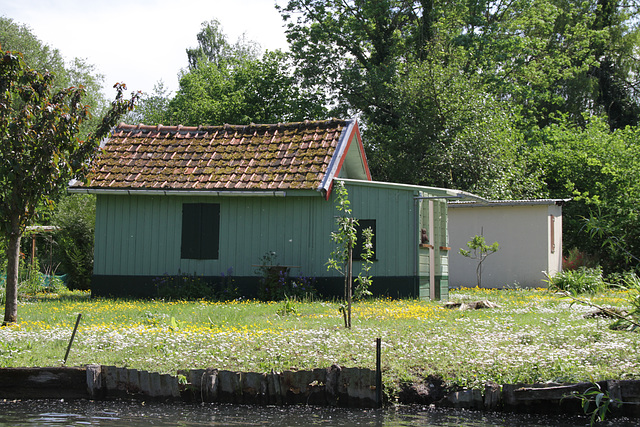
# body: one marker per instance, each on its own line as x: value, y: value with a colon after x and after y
x: 13, y: 263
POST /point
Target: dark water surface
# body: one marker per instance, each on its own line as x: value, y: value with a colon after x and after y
x: 89, y: 413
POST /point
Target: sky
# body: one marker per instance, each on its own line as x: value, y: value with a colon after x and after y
x: 140, y: 42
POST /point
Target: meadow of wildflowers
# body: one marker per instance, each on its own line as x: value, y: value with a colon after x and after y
x: 533, y: 336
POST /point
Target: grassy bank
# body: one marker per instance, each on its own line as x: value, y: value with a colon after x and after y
x: 532, y: 336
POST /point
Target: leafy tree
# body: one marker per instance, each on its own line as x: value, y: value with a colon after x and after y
x: 43, y: 58
x: 352, y: 49
x: 617, y: 68
x: 38, y: 55
x: 232, y: 84
x: 428, y: 118
x: 451, y: 132
x: 40, y: 150
x: 341, y: 258
x: 530, y: 53
x: 532, y: 60
x: 152, y: 108
x: 214, y: 47
x: 600, y: 171
x: 479, y: 251
x: 563, y: 56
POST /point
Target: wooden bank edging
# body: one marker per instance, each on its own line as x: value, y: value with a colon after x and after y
x: 334, y: 386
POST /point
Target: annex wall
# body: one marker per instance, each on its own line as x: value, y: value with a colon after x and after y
x: 529, y: 235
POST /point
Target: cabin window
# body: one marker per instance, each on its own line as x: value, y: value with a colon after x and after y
x: 363, y: 224
x: 200, y: 231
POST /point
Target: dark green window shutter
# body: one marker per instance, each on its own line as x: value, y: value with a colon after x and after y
x: 200, y: 231
x: 363, y: 224
x: 210, y: 231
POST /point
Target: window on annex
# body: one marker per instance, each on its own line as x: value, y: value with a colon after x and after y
x: 363, y: 224
x: 200, y: 231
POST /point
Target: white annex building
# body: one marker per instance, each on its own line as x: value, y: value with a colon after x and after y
x: 529, y: 233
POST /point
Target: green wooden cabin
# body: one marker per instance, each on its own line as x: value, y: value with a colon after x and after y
x: 212, y: 201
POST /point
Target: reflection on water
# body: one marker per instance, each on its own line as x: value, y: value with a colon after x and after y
x: 87, y: 413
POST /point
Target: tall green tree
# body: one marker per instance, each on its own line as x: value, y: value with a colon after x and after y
x: 40, y: 150
x: 153, y: 108
x: 451, y: 132
x: 252, y: 91
x: 554, y: 56
x: 429, y: 116
x: 44, y: 58
x: 214, y: 47
x: 352, y: 49
x: 75, y: 218
x: 600, y: 171
x: 616, y: 70
x: 536, y: 59
x: 234, y: 83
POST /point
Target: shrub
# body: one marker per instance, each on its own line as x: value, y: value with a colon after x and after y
x: 576, y: 259
x: 75, y: 219
x: 302, y: 287
x: 227, y: 290
x: 277, y: 285
x: 580, y: 281
x: 273, y: 283
x: 183, y: 287
x: 631, y: 282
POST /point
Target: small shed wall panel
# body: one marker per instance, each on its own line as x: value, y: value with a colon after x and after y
x: 523, y: 233
x: 141, y: 235
x: 148, y: 243
x: 393, y: 211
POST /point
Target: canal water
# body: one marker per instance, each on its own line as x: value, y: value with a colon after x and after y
x: 88, y: 413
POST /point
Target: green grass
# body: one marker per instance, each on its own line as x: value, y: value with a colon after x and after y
x: 534, y: 336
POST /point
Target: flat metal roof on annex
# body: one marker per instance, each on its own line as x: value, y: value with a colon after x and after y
x: 496, y: 203
x: 434, y: 192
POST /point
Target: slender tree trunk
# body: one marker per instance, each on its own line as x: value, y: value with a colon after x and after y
x: 13, y: 262
x: 350, y: 286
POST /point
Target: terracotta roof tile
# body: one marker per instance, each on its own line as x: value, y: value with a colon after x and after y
x: 282, y: 156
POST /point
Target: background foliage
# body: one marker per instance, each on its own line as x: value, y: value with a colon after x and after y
x: 75, y: 218
x: 507, y: 100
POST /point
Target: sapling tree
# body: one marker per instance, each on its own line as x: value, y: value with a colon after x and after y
x: 479, y: 251
x: 40, y: 150
x: 341, y: 259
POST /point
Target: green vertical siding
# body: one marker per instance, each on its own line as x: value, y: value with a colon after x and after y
x: 393, y: 211
x: 141, y: 235
x: 438, y: 240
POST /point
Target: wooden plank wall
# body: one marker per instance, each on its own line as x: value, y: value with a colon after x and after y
x: 140, y: 235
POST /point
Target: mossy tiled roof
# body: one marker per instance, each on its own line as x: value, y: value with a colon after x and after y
x: 252, y: 157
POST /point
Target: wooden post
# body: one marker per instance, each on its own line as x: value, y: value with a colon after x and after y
x: 73, y: 335
x: 33, y: 249
x: 379, y: 372
x: 432, y: 254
